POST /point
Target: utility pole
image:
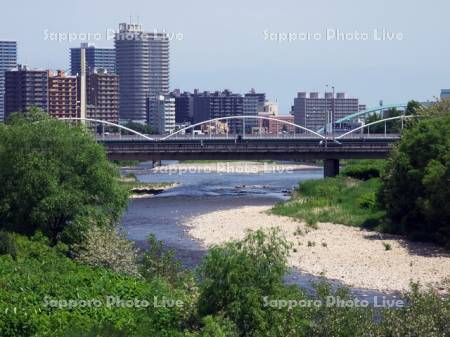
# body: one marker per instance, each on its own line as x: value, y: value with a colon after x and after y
x: 330, y: 115
x: 332, y: 112
x: 83, y: 84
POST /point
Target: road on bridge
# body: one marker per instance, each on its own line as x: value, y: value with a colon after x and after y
x: 252, y: 149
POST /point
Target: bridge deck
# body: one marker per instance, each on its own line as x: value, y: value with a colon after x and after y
x: 251, y: 149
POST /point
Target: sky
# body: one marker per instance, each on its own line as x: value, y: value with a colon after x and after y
x: 241, y: 45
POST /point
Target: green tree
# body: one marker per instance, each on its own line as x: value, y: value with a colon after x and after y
x: 416, y: 187
x: 413, y: 108
x: 55, y: 178
x: 106, y: 247
x: 239, y: 279
x: 391, y: 126
x: 158, y: 261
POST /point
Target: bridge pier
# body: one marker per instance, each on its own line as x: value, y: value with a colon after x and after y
x: 156, y: 163
x: 330, y: 167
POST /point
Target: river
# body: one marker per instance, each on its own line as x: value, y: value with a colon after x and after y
x: 164, y: 214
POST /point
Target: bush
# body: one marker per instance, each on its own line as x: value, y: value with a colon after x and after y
x: 239, y: 282
x: 415, y: 190
x: 41, y: 274
x: 367, y: 200
x: 53, y: 176
x: 7, y: 245
x: 105, y: 247
x: 217, y: 326
x: 364, y: 169
x: 335, y: 320
x: 241, y: 277
x: 427, y: 314
x: 159, y: 262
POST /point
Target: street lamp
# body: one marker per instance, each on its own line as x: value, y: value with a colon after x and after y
x: 330, y: 118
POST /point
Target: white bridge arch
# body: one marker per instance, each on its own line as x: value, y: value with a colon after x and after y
x: 402, y: 117
x: 367, y: 112
x: 99, y: 121
x: 243, y: 118
x: 211, y: 121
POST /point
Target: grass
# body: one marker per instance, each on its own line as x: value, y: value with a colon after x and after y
x: 341, y: 200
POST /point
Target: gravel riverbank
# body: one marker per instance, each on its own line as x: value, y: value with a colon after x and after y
x: 356, y: 257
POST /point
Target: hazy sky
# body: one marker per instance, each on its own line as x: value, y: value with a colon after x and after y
x: 232, y: 44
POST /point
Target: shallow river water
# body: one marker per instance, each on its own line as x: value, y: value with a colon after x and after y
x: 164, y: 214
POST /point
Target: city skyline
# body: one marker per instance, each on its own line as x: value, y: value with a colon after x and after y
x: 224, y: 47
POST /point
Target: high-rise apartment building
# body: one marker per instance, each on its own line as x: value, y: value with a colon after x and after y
x: 445, y: 93
x: 184, y: 107
x: 142, y: 63
x: 311, y: 111
x: 162, y: 114
x: 253, y: 103
x: 96, y: 58
x: 103, y: 96
x: 63, y: 95
x: 218, y: 104
x: 8, y: 61
x: 25, y: 88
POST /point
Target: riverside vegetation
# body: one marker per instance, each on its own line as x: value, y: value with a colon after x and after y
x: 408, y: 194
x: 67, y: 271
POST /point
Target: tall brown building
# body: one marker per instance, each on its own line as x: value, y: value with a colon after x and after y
x: 63, y: 95
x: 25, y: 88
x: 103, y: 96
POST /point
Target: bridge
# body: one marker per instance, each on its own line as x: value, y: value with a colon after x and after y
x: 252, y: 149
x: 308, y: 145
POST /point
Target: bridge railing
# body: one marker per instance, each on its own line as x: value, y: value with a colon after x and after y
x: 366, y: 113
x: 242, y: 119
x: 381, y: 121
x: 102, y: 122
x: 306, y: 135
x: 162, y: 147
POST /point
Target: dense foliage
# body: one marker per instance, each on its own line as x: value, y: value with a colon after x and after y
x: 235, y: 279
x: 7, y: 245
x: 55, y: 178
x: 392, y: 126
x: 395, y: 125
x: 238, y: 294
x: 107, y: 247
x: 42, y: 274
x: 158, y: 262
x: 416, y: 188
x: 364, y: 169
